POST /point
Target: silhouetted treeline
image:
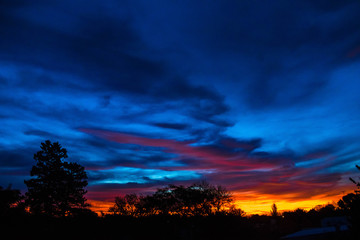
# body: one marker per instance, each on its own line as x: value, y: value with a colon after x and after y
x: 201, y: 199
x: 54, y: 207
x: 126, y: 223
x: 87, y: 225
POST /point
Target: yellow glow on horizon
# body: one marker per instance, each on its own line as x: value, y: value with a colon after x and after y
x: 264, y: 206
x: 253, y: 203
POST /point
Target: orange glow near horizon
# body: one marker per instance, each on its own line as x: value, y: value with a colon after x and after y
x: 100, y: 206
x: 255, y: 204
x: 262, y: 204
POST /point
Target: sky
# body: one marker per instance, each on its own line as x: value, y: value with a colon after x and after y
x: 261, y: 97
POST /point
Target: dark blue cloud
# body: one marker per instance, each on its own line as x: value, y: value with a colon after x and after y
x: 254, y: 48
x: 176, y: 126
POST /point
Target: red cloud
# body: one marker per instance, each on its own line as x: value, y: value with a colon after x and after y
x: 265, y: 175
x: 207, y: 157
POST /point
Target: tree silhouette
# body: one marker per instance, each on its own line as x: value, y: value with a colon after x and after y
x: 350, y: 203
x: 127, y: 205
x: 274, y: 212
x: 356, y: 183
x: 198, y: 199
x: 234, y: 211
x: 57, y: 188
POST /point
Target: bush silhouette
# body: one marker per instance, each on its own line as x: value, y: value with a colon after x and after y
x: 8, y: 198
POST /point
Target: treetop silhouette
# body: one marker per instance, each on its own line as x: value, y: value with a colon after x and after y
x: 274, y: 211
x: 356, y: 183
x: 57, y: 188
x: 198, y: 199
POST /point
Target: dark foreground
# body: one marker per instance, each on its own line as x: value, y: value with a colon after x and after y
x: 155, y: 227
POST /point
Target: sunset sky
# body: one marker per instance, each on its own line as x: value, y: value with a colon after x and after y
x: 262, y: 97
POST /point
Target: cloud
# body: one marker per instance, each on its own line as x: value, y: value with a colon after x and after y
x: 354, y: 52
x: 270, y: 62
x: 237, y: 165
x: 175, y: 126
x: 15, y: 166
x: 106, y: 50
x: 234, y: 164
x: 86, y: 52
x: 16, y: 158
x: 226, y: 91
x: 210, y: 154
x: 40, y: 133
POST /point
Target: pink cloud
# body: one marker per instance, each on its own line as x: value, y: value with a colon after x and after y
x: 268, y: 175
x: 207, y: 157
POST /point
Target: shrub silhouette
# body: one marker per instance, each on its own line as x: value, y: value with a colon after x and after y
x: 57, y: 188
x: 8, y: 197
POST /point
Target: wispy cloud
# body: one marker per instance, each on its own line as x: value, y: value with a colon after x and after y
x: 234, y: 164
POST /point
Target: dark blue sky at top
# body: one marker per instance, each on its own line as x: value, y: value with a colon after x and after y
x: 273, y: 84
